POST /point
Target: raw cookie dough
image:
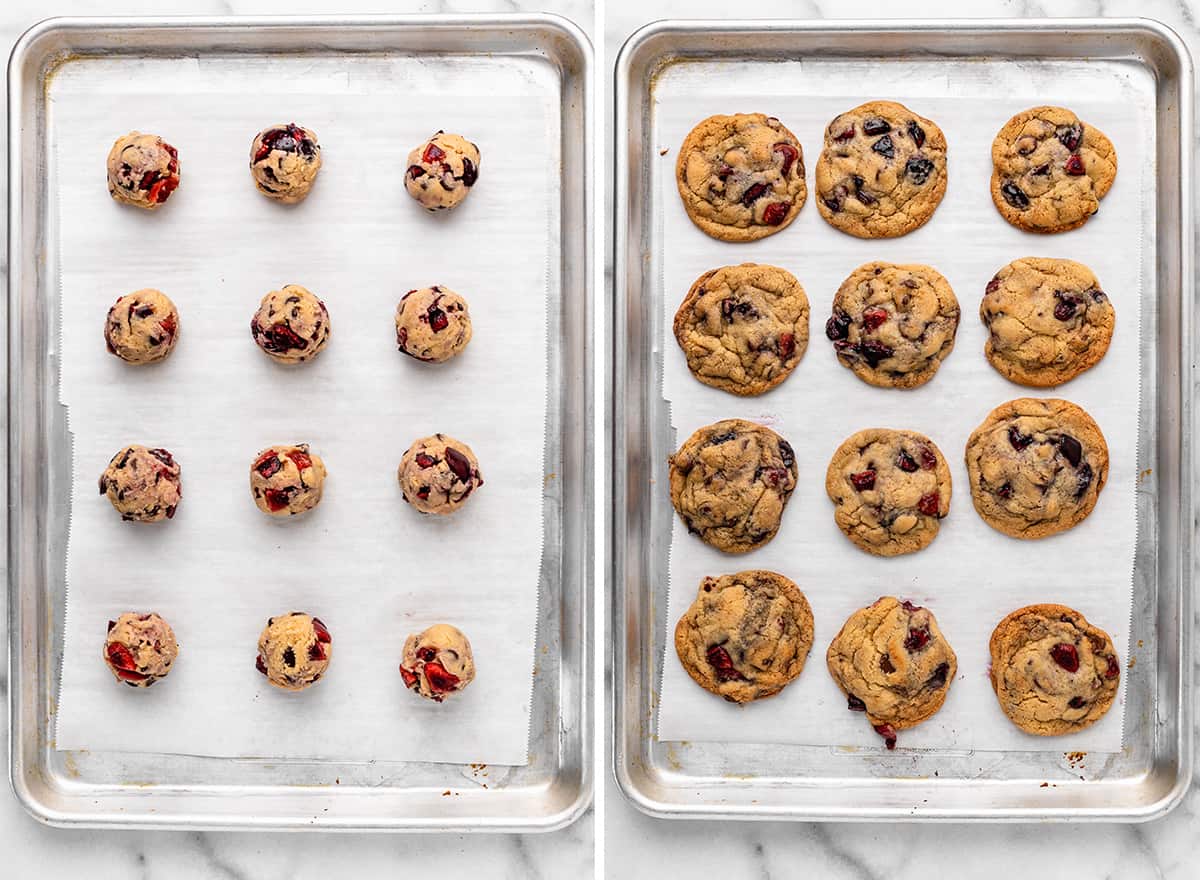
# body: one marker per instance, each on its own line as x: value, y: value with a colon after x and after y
x: 294, y: 651
x: 894, y: 664
x: 287, y: 480
x: 746, y: 636
x: 730, y: 482
x: 890, y: 490
x: 1050, y: 170
x: 432, y: 324
x: 1053, y: 672
x: 437, y: 662
x: 882, y: 172
x: 143, y: 170
x: 284, y: 161
x: 743, y: 328
x: 291, y: 325
x: 142, y: 327
x: 438, y: 474
x: 140, y: 648
x: 893, y: 325
x: 741, y: 177
x: 142, y: 484
x: 1036, y: 467
x: 1049, y: 321
x: 442, y: 171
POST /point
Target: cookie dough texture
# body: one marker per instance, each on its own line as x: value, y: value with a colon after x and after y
x: 438, y: 474
x: 433, y: 324
x: 284, y: 161
x: 140, y: 648
x: 142, y: 327
x: 894, y: 664
x: 730, y: 482
x: 1048, y: 321
x: 1050, y: 170
x: 744, y: 328
x: 890, y: 490
x: 142, y: 484
x: 882, y: 171
x: 442, y: 171
x: 287, y: 480
x: 294, y: 651
x: 746, y: 636
x: 143, y: 170
x: 1036, y: 466
x: 437, y: 662
x: 1053, y: 672
x: 291, y: 325
x: 741, y: 177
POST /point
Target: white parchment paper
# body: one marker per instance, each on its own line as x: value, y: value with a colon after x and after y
x: 371, y: 567
x: 971, y: 576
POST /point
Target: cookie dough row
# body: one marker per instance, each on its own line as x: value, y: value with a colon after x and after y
x: 882, y: 172
x: 748, y: 635
x: 1036, y: 467
x: 744, y: 328
x: 143, y: 169
x: 437, y: 475
x: 294, y: 652
x: 433, y: 324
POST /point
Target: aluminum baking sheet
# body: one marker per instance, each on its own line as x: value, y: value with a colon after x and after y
x: 686, y: 64
x: 538, y: 59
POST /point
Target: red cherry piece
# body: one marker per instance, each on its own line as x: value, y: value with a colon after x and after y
x: 929, y: 503
x: 787, y: 345
x: 433, y: 153
x: 321, y: 631
x: 130, y: 675
x: 410, y: 677
x: 260, y: 664
x: 120, y: 656
x: 458, y: 464
x: 425, y: 461
x: 440, y: 680
x: 888, y: 733
x: 774, y: 213
x: 1065, y: 656
x: 316, y: 652
x: 1074, y: 165
x: 1114, y: 668
x: 872, y: 318
x: 917, y: 640
x: 722, y: 664
x: 427, y: 653
x: 301, y: 460
x: 863, y: 480
x: 268, y: 464
x: 277, y: 499
x: 790, y: 155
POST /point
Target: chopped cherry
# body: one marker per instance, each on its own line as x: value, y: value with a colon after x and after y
x: 888, y: 733
x: 754, y: 193
x: 268, y: 464
x: 440, y: 679
x: 1070, y: 136
x: 1065, y: 656
x: 1114, y: 668
x: 838, y: 326
x: 260, y: 664
x: 790, y: 154
x: 277, y: 499
x: 928, y: 459
x: 425, y: 461
x: 433, y: 153
x: 722, y: 664
x: 409, y: 677
x: 1071, y: 449
x: 916, y: 133
x: 906, y: 462
x: 1018, y: 440
x: 120, y: 656
x: 415, y: 171
x: 917, y: 640
x: 919, y: 170
x: 873, y: 318
x: 437, y: 318
x: 863, y: 480
x: 845, y: 135
x: 301, y: 459
x: 316, y: 652
x: 930, y: 503
x: 786, y: 345
x: 459, y: 464
x: 774, y: 213
x: 131, y: 675
x: 321, y: 630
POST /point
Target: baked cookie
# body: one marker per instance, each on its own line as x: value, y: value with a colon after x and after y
x: 882, y: 172
x: 442, y: 171
x: 890, y: 490
x: 1036, y: 467
x: 142, y: 327
x: 291, y: 325
x: 894, y: 664
x: 294, y: 651
x: 143, y: 170
x: 287, y: 480
x: 140, y: 648
x: 1048, y: 319
x: 730, y: 482
x: 437, y: 662
x: 142, y: 484
x: 743, y: 328
x: 746, y: 636
x: 438, y: 474
x: 741, y: 177
x: 1049, y: 170
x: 893, y: 325
x: 1053, y: 672
x: 284, y: 161
x: 432, y: 324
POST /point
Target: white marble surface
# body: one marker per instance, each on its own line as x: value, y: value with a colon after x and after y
x: 636, y: 846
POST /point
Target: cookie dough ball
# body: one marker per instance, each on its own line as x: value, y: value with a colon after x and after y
x: 140, y: 648
x: 294, y: 651
x: 437, y: 662
x: 442, y: 171
x: 142, y: 327
x: 143, y: 170
x: 432, y: 324
x: 287, y: 480
x: 142, y: 484
x: 284, y: 161
x: 291, y: 325
x: 438, y: 474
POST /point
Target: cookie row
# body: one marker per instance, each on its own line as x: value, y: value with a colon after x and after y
x: 882, y: 172
x: 748, y: 635
x: 294, y: 652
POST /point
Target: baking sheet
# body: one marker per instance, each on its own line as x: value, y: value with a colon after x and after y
x: 971, y: 576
